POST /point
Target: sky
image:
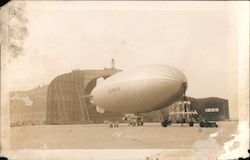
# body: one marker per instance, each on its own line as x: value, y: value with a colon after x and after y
x: 199, y: 38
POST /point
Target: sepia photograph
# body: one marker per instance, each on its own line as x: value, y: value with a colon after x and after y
x: 116, y: 80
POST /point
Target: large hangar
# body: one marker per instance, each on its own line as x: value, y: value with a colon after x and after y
x: 67, y: 102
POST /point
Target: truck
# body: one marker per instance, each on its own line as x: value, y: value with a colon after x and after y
x: 134, y: 120
x: 208, y: 124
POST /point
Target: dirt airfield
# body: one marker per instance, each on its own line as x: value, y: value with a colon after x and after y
x: 100, y: 136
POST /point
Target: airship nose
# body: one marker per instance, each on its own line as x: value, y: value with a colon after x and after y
x: 182, y: 83
x: 184, y: 86
x: 175, y: 80
x: 182, y: 80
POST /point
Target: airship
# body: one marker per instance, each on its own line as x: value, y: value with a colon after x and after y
x: 139, y: 90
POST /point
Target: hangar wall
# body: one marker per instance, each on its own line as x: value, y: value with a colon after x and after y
x: 66, y: 100
x: 212, y: 108
x: 28, y: 107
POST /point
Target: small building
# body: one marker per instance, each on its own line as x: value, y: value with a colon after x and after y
x: 213, y: 108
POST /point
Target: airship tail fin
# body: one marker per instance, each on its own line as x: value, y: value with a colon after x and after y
x: 99, y: 109
x: 99, y: 80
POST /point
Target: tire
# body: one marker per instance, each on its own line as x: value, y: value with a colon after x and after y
x: 164, y: 123
x: 191, y: 124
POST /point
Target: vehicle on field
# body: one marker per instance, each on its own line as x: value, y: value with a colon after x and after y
x: 166, y: 123
x: 136, y: 121
x: 208, y: 124
x: 133, y: 120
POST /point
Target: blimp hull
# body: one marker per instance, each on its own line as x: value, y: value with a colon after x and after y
x: 140, y: 90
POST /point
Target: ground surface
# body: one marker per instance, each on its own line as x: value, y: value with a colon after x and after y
x: 150, y: 136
